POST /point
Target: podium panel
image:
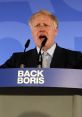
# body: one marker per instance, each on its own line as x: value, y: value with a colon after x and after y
x: 34, y: 81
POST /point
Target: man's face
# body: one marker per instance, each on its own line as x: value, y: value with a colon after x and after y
x: 43, y: 25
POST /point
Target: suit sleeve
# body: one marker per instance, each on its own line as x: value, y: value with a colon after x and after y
x: 10, y: 63
x: 79, y: 60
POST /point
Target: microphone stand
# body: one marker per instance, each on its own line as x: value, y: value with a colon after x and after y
x: 40, y: 59
x: 40, y: 55
x: 22, y: 65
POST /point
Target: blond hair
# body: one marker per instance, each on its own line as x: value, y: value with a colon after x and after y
x: 44, y: 12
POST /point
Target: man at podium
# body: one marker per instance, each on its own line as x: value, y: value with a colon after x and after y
x: 46, y: 54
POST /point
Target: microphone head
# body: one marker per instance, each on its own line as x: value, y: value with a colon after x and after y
x: 27, y: 43
x: 44, y: 41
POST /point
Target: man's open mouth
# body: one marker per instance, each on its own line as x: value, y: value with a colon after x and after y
x: 42, y: 37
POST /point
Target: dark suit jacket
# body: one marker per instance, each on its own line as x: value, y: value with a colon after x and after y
x: 62, y: 58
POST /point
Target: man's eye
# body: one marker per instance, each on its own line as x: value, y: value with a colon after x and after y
x: 41, y: 25
x: 37, y: 25
x: 46, y: 25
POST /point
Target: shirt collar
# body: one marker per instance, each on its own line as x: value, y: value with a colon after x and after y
x: 50, y: 51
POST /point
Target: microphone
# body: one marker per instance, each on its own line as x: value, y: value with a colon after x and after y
x: 23, y: 56
x: 27, y: 45
x: 40, y: 55
x: 43, y: 42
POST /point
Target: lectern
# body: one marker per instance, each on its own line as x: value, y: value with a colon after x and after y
x: 34, y: 81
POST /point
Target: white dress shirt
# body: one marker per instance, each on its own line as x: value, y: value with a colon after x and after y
x: 47, y: 56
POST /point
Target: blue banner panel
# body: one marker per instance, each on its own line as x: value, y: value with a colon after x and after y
x: 29, y: 77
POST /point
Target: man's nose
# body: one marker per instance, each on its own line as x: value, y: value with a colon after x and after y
x: 42, y: 32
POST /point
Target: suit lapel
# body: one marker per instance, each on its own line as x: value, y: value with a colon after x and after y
x: 31, y: 58
x: 57, y: 60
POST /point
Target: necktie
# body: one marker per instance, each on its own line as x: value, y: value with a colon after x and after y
x: 46, y: 60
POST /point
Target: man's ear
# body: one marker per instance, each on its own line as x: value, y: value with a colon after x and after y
x: 56, y: 31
